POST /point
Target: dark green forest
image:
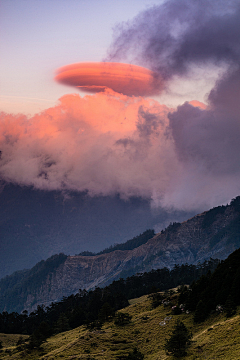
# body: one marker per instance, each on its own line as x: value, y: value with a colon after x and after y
x: 215, y: 291
x: 92, y: 308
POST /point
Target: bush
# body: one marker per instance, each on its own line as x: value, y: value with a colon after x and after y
x: 95, y: 325
x: 20, y: 341
x: 156, y: 299
x: 122, y: 319
x: 133, y: 355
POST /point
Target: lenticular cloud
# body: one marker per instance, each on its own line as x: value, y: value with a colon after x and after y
x: 126, y: 79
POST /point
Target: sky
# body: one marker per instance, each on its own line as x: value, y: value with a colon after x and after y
x: 37, y: 37
x: 179, y: 148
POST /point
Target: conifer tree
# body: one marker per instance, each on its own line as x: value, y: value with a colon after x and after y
x: 230, y: 307
x: 201, y: 312
x: 105, y: 313
x: 179, y: 341
x: 62, y: 324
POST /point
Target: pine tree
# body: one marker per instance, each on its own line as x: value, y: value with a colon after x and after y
x: 62, y: 324
x: 39, y: 335
x: 230, y: 307
x: 179, y: 341
x: 105, y: 313
x: 201, y: 312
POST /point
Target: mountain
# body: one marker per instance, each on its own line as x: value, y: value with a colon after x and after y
x: 36, y: 224
x: 212, y: 234
x: 84, y: 307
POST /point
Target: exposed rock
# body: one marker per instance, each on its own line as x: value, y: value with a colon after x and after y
x: 212, y: 234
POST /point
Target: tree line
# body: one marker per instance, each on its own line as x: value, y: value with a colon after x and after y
x: 94, y: 307
x: 128, y: 245
x: 217, y: 291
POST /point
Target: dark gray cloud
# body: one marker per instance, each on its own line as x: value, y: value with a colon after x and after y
x: 169, y: 37
x: 148, y: 123
x: 211, y: 136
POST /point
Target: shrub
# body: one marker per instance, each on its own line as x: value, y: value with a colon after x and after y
x: 133, y: 355
x: 122, y: 319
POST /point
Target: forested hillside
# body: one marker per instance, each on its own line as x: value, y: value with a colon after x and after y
x: 218, y: 290
x: 142, y: 329
x: 86, y: 307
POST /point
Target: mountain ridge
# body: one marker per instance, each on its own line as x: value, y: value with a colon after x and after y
x: 211, y: 234
x: 36, y: 224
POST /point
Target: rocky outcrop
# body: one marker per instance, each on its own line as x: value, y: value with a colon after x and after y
x: 215, y: 234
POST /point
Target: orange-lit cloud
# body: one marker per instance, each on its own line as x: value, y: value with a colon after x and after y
x: 126, y: 79
x: 102, y: 143
x: 198, y: 104
x: 109, y: 143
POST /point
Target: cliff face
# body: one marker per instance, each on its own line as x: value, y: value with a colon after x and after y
x: 215, y: 234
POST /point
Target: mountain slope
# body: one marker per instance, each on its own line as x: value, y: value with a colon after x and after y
x: 216, y: 338
x: 36, y: 224
x: 215, y: 233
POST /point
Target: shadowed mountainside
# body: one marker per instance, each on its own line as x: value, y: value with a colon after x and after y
x: 212, y: 234
x: 35, y: 225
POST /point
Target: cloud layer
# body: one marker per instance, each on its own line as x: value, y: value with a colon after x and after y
x: 169, y: 38
x: 109, y: 143
x: 172, y: 39
x: 106, y: 144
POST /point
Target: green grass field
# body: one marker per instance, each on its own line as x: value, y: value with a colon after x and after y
x: 216, y: 338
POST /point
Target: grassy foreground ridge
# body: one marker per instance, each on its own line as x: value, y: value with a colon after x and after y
x: 215, y: 338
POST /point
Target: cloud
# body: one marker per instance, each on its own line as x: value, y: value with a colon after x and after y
x: 104, y: 144
x: 173, y: 39
x: 107, y: 143
x: 126, y: 79
x: 169, y: 38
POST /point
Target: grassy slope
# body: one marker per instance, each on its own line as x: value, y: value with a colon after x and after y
x: 216, y: 338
